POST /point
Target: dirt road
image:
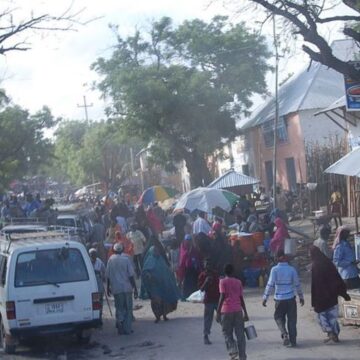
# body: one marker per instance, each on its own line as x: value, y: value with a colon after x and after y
x: 181, y: 338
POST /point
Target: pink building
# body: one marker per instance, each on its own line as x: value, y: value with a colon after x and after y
x: 300, y: 98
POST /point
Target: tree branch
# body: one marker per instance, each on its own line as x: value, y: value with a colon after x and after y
x: 333, y: 62
x: 338, y: 18
x: 352, y: 33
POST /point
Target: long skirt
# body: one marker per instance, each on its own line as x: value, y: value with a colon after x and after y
x: 328, y: 320
x: 161, y: 308
x: 190, y: 282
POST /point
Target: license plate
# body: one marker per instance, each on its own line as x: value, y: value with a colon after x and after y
x: 54, y: 308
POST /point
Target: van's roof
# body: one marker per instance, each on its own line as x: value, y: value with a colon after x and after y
x: 33, y: 240
x: 21, y: 228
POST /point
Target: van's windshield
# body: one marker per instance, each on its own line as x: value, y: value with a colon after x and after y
x: 52, y: 266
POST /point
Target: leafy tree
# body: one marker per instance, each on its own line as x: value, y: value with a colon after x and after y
x: 305, y: 17
x: 92, y: 151
x: 180, y: 89
x: 24, y: 146
x: 69, y: 138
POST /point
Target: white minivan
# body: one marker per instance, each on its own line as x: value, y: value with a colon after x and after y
x: 47, y: 287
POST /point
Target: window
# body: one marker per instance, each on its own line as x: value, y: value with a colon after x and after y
x: 52, y: 266
x: 268, y: 132
x: 245, y: 169
x: 3, y: 265
x: 244, y: 143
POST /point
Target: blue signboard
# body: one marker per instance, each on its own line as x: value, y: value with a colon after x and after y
x: 352, y: 91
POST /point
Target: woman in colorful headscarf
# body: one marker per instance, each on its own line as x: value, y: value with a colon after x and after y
x: 278, y: 240
x: 126, y: 243
x: 326, y: 286
x: 189, y: 267
x: 344, y: 259
x: 160, y: 285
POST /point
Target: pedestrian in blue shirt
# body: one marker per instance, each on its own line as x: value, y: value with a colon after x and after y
x: 344, y: 259
x: 285, y: 281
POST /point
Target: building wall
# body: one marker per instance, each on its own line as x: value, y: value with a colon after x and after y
x: 319, y: 128
x: 293, y: 148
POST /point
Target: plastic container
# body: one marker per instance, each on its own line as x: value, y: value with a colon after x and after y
x: 290, y: 247
x: 247, y: 245
x: 252, y: 277
x: 258, y: 238
x: 250, y: 332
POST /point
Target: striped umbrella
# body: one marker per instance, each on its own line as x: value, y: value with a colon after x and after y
x: 156, y: 194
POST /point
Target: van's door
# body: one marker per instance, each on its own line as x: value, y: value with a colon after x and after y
x: 53, y: 286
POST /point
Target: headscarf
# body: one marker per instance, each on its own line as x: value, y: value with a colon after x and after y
x: 189, y: 257
x: 158, y: 280
x: 281, y: 233
x: 128, y: 247
x: 326, y: 283
x: 337, y: 235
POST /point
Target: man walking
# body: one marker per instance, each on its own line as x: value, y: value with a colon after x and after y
x: 100, y: 270
x: 120, y: 274
x: 285, y: 280
x: 138, y: 240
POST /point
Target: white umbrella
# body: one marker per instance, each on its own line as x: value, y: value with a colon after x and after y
x: 206, y: 199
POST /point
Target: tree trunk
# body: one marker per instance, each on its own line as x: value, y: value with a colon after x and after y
x: 199, y: 172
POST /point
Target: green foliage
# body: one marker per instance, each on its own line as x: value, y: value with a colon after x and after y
x: 180, y: 89
x: 24, y: 147
x: 94, y: 151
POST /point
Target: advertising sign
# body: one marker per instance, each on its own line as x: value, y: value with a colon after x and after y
x: 352, y: 91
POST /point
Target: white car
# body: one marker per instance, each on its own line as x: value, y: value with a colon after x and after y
x: 47, y: 287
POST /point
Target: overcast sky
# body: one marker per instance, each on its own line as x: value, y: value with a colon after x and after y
x: 56, y: 71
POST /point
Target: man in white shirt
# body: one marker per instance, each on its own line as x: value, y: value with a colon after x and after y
x: 120, y: 274
x: 201, y: 225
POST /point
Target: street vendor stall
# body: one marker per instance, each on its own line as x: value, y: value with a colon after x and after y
x: 349, y: 165
x: 235, y: 182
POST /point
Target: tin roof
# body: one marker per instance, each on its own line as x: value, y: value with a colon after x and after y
x: 232, y: 179
x: 314, y: 87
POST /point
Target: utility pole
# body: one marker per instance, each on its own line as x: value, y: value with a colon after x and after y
x: 276, y: 120
x: 85, y: 106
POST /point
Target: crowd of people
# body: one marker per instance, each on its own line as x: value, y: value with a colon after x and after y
x: 200, y: 256
x: 133, y: 258
x: 28, y: 206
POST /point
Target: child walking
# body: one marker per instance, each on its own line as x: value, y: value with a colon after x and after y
x: 209, y: 283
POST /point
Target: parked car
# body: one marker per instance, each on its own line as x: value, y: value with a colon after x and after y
x: 76, y: 225
x: 47, y: 287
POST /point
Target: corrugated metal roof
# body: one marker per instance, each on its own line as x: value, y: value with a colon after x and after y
x: 232, y: 179
x: 312, y: 88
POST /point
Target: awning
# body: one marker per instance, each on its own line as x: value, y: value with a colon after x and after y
x: 348, y: 165
x: 232, y: 179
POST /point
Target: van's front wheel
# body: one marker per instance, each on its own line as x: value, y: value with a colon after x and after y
x: 83, y: 336
x: 8, y: 348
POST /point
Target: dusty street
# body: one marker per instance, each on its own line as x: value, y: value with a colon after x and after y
x: 181, y: 338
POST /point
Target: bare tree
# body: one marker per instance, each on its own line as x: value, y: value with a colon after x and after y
x: 305, y: 17
x: 15, y: 30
